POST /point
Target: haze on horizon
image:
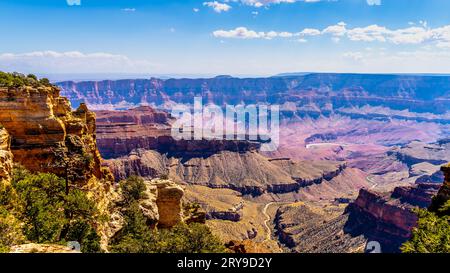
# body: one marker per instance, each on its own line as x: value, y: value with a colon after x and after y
x: 193, y: 38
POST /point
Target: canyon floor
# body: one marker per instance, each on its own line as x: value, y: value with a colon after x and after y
x: 298, y: 198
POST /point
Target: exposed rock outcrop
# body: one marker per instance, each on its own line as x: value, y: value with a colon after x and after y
x: 315, y: 230
x: 42, y: 248
x: 444, y: 192
x: 121, y: 132
x: 416, y: 93
x: 169, y: 203
x: 6, y: 158
x: 247, y: 172
x: 47, y: 136
x: 419, y: 152
x: 388, y: 217
x: 161, y: 206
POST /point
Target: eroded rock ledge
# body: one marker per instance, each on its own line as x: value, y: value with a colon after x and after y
x: 46, y: 134
x: 388, y: 217
x: 6, y: 158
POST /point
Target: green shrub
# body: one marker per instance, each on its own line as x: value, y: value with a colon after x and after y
x: 133, y: 189
x: 12, y: 80
x: 49, y: 215
x: 193, y: 238
x: 432, y: 234
x: 137, y: 237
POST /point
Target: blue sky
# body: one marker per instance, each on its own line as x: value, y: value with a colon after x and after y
x: 236, y: 37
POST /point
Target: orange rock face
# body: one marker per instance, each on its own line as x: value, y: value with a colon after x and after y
x: 5, y: 157
x: 46, y: 135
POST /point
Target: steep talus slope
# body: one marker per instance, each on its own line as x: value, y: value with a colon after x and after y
x: 306, y: 229
x: 247, y: 172
x: 138, y: 142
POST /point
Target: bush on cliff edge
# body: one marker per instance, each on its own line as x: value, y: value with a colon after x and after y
x: 137, y: 237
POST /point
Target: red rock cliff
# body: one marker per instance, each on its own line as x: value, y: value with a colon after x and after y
x: 46, y: 135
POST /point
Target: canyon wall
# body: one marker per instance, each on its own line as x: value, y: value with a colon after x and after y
x: 138, y: 142
x: 121, y: 132
x: 6, y: 158
x: 47, y: 136
x: 416, y: 93
x: 388, y: 218
x: 247, y: 172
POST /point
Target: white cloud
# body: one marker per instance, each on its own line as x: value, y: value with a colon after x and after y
x: 309, y: 32
x: 195, y: 10
x: 129, y: 9
x: 336, y: 30
x: 244, y: 33
x: 368, y: 34
x: 71, y: 62
x: 217, y: 6
x: 262, y: 3
x: 412, y: 35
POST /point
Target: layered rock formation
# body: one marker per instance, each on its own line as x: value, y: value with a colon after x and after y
x: 247, y: 172
x: 416, y: 93
x: 6, y: 158
x: 41, y: 132
x: 140, y: 143
x: 161, y: 206
x: 121, y: 132
x: 388, y: 217
x: 419, y: 152
x: 169, y: 203
x: 306, y: 229
x: 47, y: 136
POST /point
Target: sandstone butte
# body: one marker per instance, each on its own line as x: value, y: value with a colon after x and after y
x: 39, y: 130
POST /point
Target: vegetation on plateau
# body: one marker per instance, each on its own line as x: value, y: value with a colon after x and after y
x: 432, y: 234
x: 36, y: 208
x: 12, y: 80
x: 137, y: 236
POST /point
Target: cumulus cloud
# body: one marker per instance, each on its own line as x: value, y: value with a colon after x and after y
x: 217, y: 6
x: 265, y: 3
x: 336, y: 30
x: 310, y: 32
x: 71, y: 62
x: 244, y: 33
x: 440, y: 36
x: 262, y: 3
